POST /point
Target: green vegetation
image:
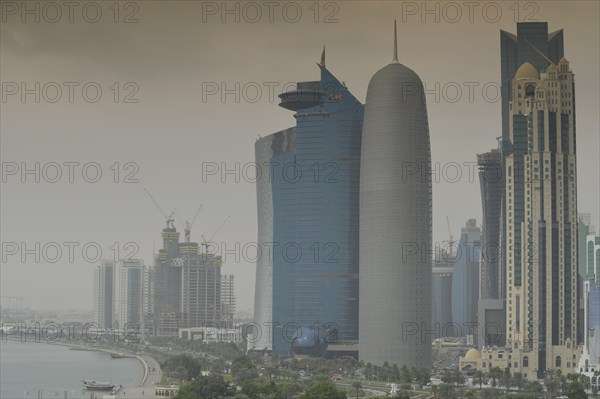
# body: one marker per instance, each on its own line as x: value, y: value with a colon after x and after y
x: 181, y: 368
x: 240, y: 375
x: 501, y: 385
x: 323, y: 390
x: 211, y: 387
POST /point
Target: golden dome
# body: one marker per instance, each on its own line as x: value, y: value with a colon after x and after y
x: 527, y: 71
x: 472, y: 355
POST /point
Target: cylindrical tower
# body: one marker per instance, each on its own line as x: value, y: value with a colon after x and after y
x: 395, y: 222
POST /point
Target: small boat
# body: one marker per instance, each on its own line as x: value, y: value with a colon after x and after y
x: 98, y: 386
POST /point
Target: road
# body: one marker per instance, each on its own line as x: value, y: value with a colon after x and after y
x: 146, y: 387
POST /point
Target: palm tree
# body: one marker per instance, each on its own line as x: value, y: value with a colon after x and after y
x: 506, y: 379
x: 494, y: 375
x: 518, y: 380
x: 480, y: 378
x: 357, y: 385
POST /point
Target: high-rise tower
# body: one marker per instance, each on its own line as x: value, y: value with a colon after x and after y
x: 395, y: 221
x: 167, y: 284
x: 491, y: 316
x: 105, y: 294
x: 465, y: 278
x: 131, y: 292
x: 541, y: 220
x: 308, y: 217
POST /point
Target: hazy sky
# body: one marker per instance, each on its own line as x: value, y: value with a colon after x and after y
x: 167, y: 61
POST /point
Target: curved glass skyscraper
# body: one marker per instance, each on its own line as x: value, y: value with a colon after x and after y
x: 267, y: 148
x: 308, y: 209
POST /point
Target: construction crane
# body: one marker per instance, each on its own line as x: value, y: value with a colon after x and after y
x: 451, y: 241
x: 168, y: 219
x: 187, y: 226
x: 206, y: 242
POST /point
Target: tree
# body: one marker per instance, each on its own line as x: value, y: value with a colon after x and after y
x: 209, y: 387
x: 357, y: 385
x: 490, y: 393
x: 287, y: 390
x: 323, y: 390
x: 576, y: 391
x: 243, y: 369
x: 494, y: 375
x: 458, y: 377
x: 395, y: 372
x: 479, y: 378
x: 405, y: 374
x: 518, y: 380
x: 552, y: 381
x: 506, y: 379
x: 446, y: 391
x: 448, y: 377
x: 181, y: 367
x: 423, y: 376
x: 368, y: 371
x: 469, y: 394
x: 534, y: 387
x: 251, y: 389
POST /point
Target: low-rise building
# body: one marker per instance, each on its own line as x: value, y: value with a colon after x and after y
x: 212, y: 334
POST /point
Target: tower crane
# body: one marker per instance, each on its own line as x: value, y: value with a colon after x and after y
x: 168, y: 219
x: 205, y: 242
x: 187, y: 225
x: 451, y: 241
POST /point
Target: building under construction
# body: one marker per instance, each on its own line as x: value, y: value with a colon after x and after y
x: 187, y: 286
x: 185, y: 282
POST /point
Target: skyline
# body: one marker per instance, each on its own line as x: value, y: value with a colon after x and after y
x: 108, y: 212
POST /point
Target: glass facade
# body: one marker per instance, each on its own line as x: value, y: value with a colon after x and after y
x: 315, y: 216
x: 266, y: 148
x: 491, y: 180
x: 441, y: 306
x: 465, y: 278
x: 108, y: 295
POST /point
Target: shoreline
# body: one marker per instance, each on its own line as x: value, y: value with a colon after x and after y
x: 142, y: 363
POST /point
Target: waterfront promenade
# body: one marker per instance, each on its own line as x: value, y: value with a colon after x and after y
x: 152, y: 376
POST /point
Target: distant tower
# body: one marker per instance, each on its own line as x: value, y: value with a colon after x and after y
x: 167, y: 285
x: 105, y: 294
x: 492, y: 287
x: 395, y: 221
x: 465, y: 278
x: 131, y: 292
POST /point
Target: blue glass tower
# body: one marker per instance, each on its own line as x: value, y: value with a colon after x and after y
x: 315, y: 211
x: 465, y: 278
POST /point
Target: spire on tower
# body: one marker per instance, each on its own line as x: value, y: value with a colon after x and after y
x: 395, y: 42
x: 322, y: 63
